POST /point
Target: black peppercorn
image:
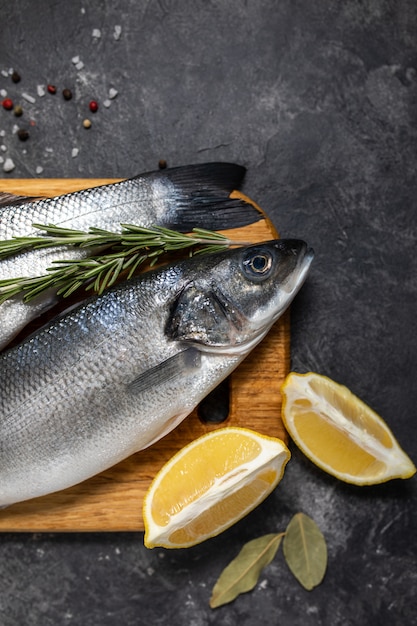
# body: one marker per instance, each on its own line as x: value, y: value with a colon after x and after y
x: 162, y: 164
x: 23, y: 134
x: 67, y: 93
x: 16, y: 77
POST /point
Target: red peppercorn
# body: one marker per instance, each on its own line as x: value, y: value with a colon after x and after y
x: 93, y: 106
x: 7, y: 104
x: 51, y: 89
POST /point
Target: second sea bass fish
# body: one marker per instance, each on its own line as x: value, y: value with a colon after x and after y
x: 122, y: 370
x: 179, y: 198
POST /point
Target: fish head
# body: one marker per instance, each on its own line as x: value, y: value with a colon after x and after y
x: 231, y: 301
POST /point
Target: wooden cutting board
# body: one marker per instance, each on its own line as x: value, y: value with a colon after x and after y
x: 112, y: 501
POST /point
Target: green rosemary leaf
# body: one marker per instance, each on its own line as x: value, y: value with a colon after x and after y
x: 208, y: 249
x: 132, y: 259
x: 97, y: 283
x: 112, y: 274
x: 8, y: 291
x: 67, y: 291
x: 137, y: 262
x: 33, y: 288
x: 209, y: 234
x: 59, y: 230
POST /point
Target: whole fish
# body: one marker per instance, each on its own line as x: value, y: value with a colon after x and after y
x: 120, y: 371
x: 178, y: 198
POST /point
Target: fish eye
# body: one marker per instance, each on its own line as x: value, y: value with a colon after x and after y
x: 257, y: 264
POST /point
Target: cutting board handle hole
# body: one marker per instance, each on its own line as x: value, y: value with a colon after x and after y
x: 215, y: 407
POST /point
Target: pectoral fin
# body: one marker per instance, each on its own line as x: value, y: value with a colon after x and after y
x: 184, y: 362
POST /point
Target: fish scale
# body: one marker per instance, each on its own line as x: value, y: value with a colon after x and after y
x: 109, y: 204
x: 123, y: 369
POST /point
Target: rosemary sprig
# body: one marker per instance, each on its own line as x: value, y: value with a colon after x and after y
x: 127, y: 251
x: 129, y: 237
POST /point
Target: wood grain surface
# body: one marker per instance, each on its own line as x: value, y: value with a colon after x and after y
x: 112, y: 500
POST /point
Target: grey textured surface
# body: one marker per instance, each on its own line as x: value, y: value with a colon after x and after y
x: 319, y: 101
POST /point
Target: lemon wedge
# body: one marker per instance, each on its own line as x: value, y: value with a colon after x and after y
x: 339, y: 433
x: 210, y: 484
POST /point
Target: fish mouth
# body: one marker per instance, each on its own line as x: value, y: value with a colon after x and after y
x: 301, y: 270
x: 305, y: 263
x: 297, y: 280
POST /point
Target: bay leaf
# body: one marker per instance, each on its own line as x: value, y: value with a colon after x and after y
x: 242, y: 574
x: 305, y: 551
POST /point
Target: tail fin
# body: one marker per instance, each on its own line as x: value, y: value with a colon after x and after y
x: 202, y: 197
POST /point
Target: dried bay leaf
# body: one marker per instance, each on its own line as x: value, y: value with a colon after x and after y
x: 305, y: 551
x: 242, y: 574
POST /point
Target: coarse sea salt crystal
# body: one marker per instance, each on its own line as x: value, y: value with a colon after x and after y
x: 3, y: 148
x: 106, y: 103
x: 4, y: 73
x: 96, y: 33
x: 3, y: 93
x: 112, y: 93
x: 28, y: 98
x: 8, y: 165
x: 79, y: 65
x: 117, y: 32
x: 74, y: 152
x: 40, y: 90
x: 75, y: 60
x: 39, y: 169
x: 2, y: 133
x: 1, y: 159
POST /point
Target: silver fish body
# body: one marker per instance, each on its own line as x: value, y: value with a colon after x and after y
x: 175, y: 198
x: 119, y: 372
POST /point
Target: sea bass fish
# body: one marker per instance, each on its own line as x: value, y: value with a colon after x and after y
x: 120, y: 371
x: 178, y: 198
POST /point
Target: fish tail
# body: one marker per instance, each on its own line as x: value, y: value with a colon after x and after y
x: 205, y: 197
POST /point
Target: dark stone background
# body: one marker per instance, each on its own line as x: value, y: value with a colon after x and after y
x: 319, y: 101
